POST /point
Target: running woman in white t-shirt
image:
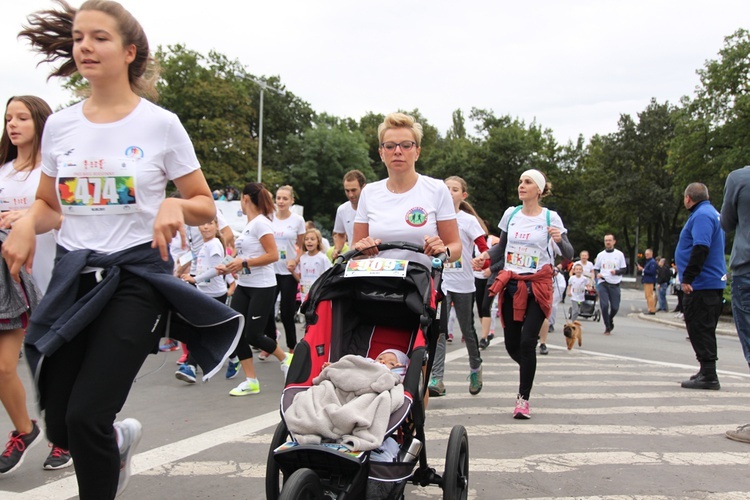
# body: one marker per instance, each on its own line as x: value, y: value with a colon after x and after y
x: 312, y: 263
x: 406, y: 206
x: 531, y: 236
x: 20, y: 159
x: 106, y: 162
x: 288, y: 230
x: 459, y: 290
x: 256, y: 286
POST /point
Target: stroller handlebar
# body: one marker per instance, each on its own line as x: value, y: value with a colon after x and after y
x: 392, y: 245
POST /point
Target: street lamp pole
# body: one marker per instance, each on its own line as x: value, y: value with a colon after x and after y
x: 263, y: 86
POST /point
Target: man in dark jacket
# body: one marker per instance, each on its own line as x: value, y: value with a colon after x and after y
x: 648, y: 280
x: 663, y: 277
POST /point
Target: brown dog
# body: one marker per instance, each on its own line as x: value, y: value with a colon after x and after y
x: 572, y: 331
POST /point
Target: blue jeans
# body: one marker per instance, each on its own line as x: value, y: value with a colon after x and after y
x: 663, y: 287
x: 741, y: 311
x: 609, y: 301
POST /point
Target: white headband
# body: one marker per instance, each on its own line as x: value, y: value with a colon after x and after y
x: 537, y: 177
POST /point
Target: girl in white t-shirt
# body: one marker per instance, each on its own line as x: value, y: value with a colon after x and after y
x: 312, y: 263
x: 288, y: 230
x: 106, y: 162
x: 459, y: 290
x: 577, y: 285
x: 255, y: 292
x: 20, y: 158
x: 530, y: 237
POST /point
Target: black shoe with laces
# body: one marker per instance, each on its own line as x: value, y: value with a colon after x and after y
x: 484, y: 343
x: 543, y: 349
x: 58, y: 458
x: 702, y: 382
x: 17, y: 446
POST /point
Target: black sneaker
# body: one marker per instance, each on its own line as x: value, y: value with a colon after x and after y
x: 58, y: 458
x: 484, y: 343
x: 16, y: 448
x: 543, y: 349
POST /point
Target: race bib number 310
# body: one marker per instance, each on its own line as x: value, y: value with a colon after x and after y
x: 103, y: 187
x: 376, y: 267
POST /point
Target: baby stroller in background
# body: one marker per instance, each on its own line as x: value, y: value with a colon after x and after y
x: 589, y: 308
x: 364, y: 315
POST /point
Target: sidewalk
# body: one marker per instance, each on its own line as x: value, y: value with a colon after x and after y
x: 725, y: 326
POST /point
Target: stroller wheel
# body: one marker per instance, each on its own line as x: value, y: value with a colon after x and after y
x: 456, y: 475
x: 274, y: 477
x: 304, y: 484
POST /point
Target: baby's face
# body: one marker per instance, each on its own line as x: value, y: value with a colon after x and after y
x: 388, y: 359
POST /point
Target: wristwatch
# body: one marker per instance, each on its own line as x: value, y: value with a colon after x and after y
x: 448, y: 253
x: 244, y: 264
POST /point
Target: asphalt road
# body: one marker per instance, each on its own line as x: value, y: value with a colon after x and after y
x: 609, y: 421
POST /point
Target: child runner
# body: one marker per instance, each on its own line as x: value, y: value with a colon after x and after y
x: 577, y: 285
x: 255, y: 292
x: 20, y: 159
x: 312, y: 263
x: 106, y: 162
x: 458, y: 287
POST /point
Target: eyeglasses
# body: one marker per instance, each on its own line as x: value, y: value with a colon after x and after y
x: 404, y: 145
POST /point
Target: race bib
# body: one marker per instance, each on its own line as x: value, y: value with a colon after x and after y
x: 376, y: 267
x: 454, y: 267
x: 522, y: 259
x: 101, y: 187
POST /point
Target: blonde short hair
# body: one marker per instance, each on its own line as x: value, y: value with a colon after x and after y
x: 401, y: 120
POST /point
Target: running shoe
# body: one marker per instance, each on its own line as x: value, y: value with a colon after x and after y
x: 491, y: 335
x: 130, y: 431
x: 475, y: 381
x: 285, y: 364
x: 232, y: 368
x: 449, y: 337
x: 543, y: 349
x: 246, y: 388
x: 182, y: 360
x: 436, y: 387
x: 58, y: 458
x: 522, y: 409
x: 169, y: 345
x: 484, y: 343
x: 186, y: 373
x: 17, y: 446
x: 263, y: 355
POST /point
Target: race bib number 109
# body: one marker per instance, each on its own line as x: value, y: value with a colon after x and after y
x: 102, y: 187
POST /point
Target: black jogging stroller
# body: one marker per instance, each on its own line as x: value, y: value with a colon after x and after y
x: 589, y: 308
x: 364, y: 307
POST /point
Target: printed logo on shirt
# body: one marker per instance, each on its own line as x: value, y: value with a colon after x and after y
x: 416, y: 217
x: 134, y: 152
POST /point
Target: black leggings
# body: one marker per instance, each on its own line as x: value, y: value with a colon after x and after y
x: 256, y: 304
x: 482, y: 297
x: 286, y: 285
x: 85, y: 383
x: 521, y: 338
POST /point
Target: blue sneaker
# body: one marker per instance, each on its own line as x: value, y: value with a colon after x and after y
x: 232, y: 369
x: 186, y: 373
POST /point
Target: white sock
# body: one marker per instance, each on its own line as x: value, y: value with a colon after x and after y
x: 234, y: 359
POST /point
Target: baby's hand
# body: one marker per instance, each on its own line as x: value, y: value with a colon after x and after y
x: 326, y: 364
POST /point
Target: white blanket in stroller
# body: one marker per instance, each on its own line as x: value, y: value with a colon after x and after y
x: 350, y: 403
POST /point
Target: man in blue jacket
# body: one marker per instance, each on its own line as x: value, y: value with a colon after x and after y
x: 700, y: 262
x: 648, y: 279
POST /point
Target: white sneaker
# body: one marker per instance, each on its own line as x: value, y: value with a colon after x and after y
x: 130, y: 431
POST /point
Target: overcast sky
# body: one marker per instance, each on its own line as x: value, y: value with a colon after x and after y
x: 574, y: 66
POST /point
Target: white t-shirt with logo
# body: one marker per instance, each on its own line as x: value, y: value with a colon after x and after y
x: 286, y: 231
x: 458, y: 276
x: 408, y: 216
x: 111, y: 177
x: 210, y: 256
x: 344, y: 223
x: 606, y: 262
x: 249, y: 246
x: 310, y: 267
x: 17, y: 192
x: 529, y: 246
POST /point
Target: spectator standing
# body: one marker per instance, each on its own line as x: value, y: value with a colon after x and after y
x: 700, y: 261
x: 663, y: 277
x: 735, y: 216
x: 648, y: 279
x: 609, y: 267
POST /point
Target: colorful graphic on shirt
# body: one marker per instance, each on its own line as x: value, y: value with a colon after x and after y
x: 416, y: 217
x: 96, y: 191
x: 134, y: 152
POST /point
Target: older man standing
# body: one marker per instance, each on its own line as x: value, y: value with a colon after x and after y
x: 648, y: 279
x: 343, y: 226
x: 735, y: 216
x: 700, y: 263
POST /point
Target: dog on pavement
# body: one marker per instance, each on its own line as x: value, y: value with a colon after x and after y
x: 572, y: 332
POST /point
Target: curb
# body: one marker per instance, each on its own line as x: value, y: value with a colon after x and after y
x: 681, y: 324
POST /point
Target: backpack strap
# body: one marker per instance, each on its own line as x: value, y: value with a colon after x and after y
x: 514, y: 212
